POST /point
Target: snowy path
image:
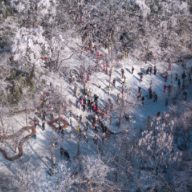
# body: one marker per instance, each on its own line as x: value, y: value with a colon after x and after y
x: 39, y: 150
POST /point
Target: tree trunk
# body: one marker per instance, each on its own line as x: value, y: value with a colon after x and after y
x: 115, y: 180
x: 110, y: 120
x: 52, y: 149
x: 156, y: 177
x: 26, y: 119
x: 57, y: 61
x: 109, y: 82
x: 120, y: 118
x: 78, y: 149
x: 89, y: 185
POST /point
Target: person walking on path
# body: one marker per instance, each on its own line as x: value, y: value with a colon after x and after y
x: 155, y: 96
x: 70, y: 113
x: 74, y: 92
x: 122, y: 72
x: 132, y: 70
x: 147, y: 71
x: 84, y: 100
x: 85, y: 135
x: 164, y: 87
x: 94, y: 108
x: 166, y: 76
x: 142, y: 99
x: 171, y: 85
x: 80, y: 118
x: 95, y: 139
x: 150, y: 70
x: 104, y: 66
x: 114, y: 81
x: 118, y: 97
x: 141, y: 77
x: 77, y: 103
x: 97, y: 109
x: 166, y: 101
x: 83, y: 107
x: 66, y: 154
x: 169, y: 66
x: 176, y: 77
x: 150, y: 93
x: 108, y: 134
x: 179, y: 82
x: 139, y: 95
x: 78, y: 130
x: 139, y: 89
x: 110, y: 72
x: 183, y: 75
x: 51, y: 116
x: 89, y: 107
x: 87, y: 124
x: 43, y: 124
x: 62, y: 133
x: 155, y: 70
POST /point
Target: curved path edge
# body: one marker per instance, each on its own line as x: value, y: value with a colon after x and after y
x: 20, y: 143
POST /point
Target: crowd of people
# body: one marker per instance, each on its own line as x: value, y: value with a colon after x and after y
x: 88, y: 102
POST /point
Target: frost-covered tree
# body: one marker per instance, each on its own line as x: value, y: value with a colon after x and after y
x: 158, y: 150
x: 27, y: 47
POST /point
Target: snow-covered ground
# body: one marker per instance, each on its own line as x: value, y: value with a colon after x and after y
x: 38, y: 151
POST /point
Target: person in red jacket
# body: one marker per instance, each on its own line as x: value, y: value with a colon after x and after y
x: 104, y: 66
x: 164, y: 87
x: 170, y: 67
x: 97, y: 110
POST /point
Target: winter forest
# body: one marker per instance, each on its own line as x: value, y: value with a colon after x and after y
x: 95, y: 95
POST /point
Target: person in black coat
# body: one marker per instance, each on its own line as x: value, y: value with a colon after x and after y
x: 183, y: 75
x: 84, y: 101
x: 77, y: 103
x: 114, y: 81
x: 139, y: 89
x: 59, y: 128
x: 44, y: 114
x: 176, y: 77
x: 66, y: 154
x: 83, y: 107
x: 132, y: 70
x: 155, y: 97
x: 147, y: 71
x: 155, y: 70
x: 51, y: 116
x: 122, y: 72
x: 43, y: 124
x: 80, y: 118
x: 150, y: 70
x: 143, y: 98
x: 61, y: 150
x: 166, y: 101
x: 62, y: 133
